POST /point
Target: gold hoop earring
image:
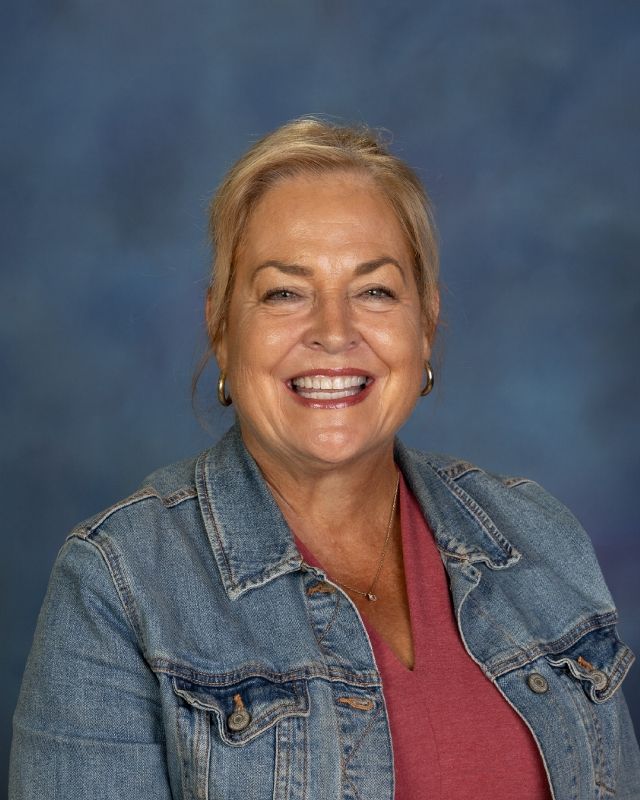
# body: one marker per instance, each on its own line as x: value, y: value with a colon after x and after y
x: 223, y: 398
x: 429, y: 384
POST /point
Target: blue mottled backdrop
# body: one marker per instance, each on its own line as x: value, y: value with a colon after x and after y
x: 118, y: 120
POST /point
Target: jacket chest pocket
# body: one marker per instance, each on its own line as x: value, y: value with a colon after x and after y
x: 242, y: 740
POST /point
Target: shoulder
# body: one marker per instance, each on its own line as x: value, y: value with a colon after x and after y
x: 516, y: 512
x: 492, y: 487
x: 160, y: 492
x: 453, y: 467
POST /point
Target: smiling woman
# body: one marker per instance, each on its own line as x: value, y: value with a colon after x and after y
x: 323, y: 289
x: 309, y: 609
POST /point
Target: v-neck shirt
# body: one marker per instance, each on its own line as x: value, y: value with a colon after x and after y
x: 453, y: 732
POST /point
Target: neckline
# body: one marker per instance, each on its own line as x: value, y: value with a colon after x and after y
x: 403, y: 501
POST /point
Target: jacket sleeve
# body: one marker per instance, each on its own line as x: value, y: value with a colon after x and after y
x: 88, y: 720
x: 628, y: 787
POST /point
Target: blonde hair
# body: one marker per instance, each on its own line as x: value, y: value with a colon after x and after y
x: 312, y: 146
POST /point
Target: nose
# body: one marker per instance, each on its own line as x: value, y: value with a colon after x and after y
x: 332, y: 327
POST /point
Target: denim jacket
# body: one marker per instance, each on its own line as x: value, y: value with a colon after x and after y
x: 182, y: 651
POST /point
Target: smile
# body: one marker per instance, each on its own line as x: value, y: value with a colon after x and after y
x: 321, y: 387
x: 337, y: 389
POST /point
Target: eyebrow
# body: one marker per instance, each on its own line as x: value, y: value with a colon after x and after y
x: 306, y: 272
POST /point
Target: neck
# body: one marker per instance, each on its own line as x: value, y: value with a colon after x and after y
x: 341, y: 506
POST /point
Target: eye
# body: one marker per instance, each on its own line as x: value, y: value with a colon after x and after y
x: 379, y: 293
x: 279, y: 295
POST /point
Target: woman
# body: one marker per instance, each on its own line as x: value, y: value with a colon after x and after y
x: 310, y: 609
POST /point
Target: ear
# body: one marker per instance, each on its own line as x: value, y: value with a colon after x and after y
x: 219, y: 343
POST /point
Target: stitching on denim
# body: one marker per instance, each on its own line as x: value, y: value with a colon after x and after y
x: 622, y: 664
x: 281, y: 767
x: 459, y: 469
x: 354, y: 788
x: 175, y: 498
x: 202, y: 467
x: 363, y: 735
x: 112, y: 560
x: 305, y: 757
x: 331, y: 621
x: 477, y: 513
x: 581, y: 702
x: 224, y: 679
x: 201, y: 776
x: 343, y: 766
x: 560, y: 712
x: 318, y: 637
x: 183, y: 738
x: 578, y: 699
x: 510, y: 483
x: 298, y: 707
x: 601, y: 771
x: 355, y: 748
x: 85, y: 530
x: 526, y: 655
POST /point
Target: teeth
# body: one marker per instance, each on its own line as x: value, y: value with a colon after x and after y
x: 329, y: 384
x: 321, y: 387
x: 333, y: 395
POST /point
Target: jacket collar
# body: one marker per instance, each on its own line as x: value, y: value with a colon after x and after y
x: 252, y: 542
x: 462, y: 528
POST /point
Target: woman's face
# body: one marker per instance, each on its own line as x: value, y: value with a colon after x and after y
x: 324, y: 343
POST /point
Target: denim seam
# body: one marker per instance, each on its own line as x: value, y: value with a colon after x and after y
x: 305, y: 756
x: 311, y: 622
x: 601, y: 770
x: 595, y: 749
x: 527, y: 655
x: 459, y: 469
x: 511, y: 483
x: 273, y: 723
x: 331, y: 620
x: 202, y: 467
x: 225, y: 679
x: 363, y: 735
x: 112, y: 560
x: 282, y: 765
x: 273, y: 714
x: 202, y: 741
x: 86, y: 530
x: 550, y: 698
x: 182, y: 741
x: 477, y: 513
x: 354, y: 749
x: 622, y: 665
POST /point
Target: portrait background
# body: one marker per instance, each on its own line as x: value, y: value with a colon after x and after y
x: 119, y: 120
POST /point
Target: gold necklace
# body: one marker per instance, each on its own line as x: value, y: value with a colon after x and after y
x: 369, y: 595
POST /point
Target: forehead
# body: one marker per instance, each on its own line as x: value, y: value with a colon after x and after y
x: 332, y: 213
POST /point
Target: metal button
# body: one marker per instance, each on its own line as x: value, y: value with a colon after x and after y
x: 599, y: 679
x: 238, y: 720
x: 537, y: 683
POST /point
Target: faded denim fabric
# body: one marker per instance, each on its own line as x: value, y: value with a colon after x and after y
x: 184, y: 650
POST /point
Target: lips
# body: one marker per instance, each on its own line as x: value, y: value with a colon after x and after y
x: 328, y: 388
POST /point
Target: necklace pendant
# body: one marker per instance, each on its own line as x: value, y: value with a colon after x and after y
x: 371, y: 597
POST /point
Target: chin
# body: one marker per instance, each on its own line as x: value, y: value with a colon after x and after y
x: 337, y: 445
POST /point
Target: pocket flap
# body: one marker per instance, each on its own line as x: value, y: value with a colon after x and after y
x: 598, y: 660
x: 247, y: 708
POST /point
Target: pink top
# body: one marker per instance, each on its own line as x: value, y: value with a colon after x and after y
x: 454, y: 735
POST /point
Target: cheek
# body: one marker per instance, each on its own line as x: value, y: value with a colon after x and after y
x: 258, y: 345
x: 401, y: 340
